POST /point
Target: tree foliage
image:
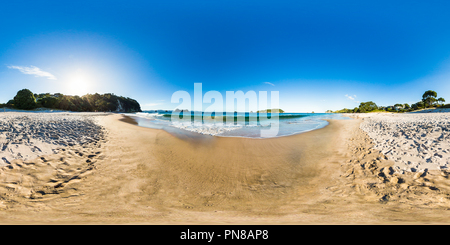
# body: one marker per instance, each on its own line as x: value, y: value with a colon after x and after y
x: 367, y: 107
x: 429, y: 97
x: 25, y: 100
x: 429, y: 93
x: 90, y: 102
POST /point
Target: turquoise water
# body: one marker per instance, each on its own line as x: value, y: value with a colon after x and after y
x: 235, y: 124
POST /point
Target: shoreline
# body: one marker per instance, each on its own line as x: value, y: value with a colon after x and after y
x: 134, y: 120
x: 140, y: 175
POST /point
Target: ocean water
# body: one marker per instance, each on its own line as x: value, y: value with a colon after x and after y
x: 237, y: 125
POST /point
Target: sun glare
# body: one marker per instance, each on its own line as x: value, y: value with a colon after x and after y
x: 79, y: 84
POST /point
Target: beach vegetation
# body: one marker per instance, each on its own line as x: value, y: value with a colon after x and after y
x: 419, y: 105
x: 429, y: 97
x: 25, y: 100
x: 109, y: 102
x: 367, y: 107
x: 429, y: 100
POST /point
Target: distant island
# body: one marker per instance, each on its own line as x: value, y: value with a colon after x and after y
x: 270, y: 111
x: 26, y: 100
x: 182, y: 110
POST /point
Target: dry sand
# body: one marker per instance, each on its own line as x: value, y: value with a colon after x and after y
x: 140, y: 175
x: 27, y: 136
x: 414, y: 141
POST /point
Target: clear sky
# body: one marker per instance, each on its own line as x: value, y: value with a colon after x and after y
x: 318, y: 54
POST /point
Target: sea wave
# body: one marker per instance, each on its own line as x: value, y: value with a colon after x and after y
x: 238, y: 124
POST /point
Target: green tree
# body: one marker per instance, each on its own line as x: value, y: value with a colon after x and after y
x: 10, y: 103
x: 25, y: 100
x: 418, y: 105
x: 49, y: 102
x: 367, y: 107
x: 441, y: 101
x: 89, y: 102
x: 429, y: 97
x: 396, y: 106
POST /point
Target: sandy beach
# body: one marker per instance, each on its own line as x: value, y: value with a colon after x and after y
x: 103, y: 168
x: 414, y: 141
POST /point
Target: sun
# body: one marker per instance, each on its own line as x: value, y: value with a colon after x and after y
x: 79, y: 84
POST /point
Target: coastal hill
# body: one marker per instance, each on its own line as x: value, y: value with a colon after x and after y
x: 108, y: 102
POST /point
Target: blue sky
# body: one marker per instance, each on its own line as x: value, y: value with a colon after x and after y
x: 319, y: 55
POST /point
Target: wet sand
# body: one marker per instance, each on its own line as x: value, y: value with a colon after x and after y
x: 140, y: 175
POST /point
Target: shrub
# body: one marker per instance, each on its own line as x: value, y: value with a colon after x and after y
x: 367, y: 107
x: 25, y: 100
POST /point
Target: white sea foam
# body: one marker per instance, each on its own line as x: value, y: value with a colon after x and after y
x: 209, y: 129
x: 288, y: 125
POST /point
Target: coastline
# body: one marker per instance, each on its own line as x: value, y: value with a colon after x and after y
x: 221, y: 131
x: 142, y: 175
